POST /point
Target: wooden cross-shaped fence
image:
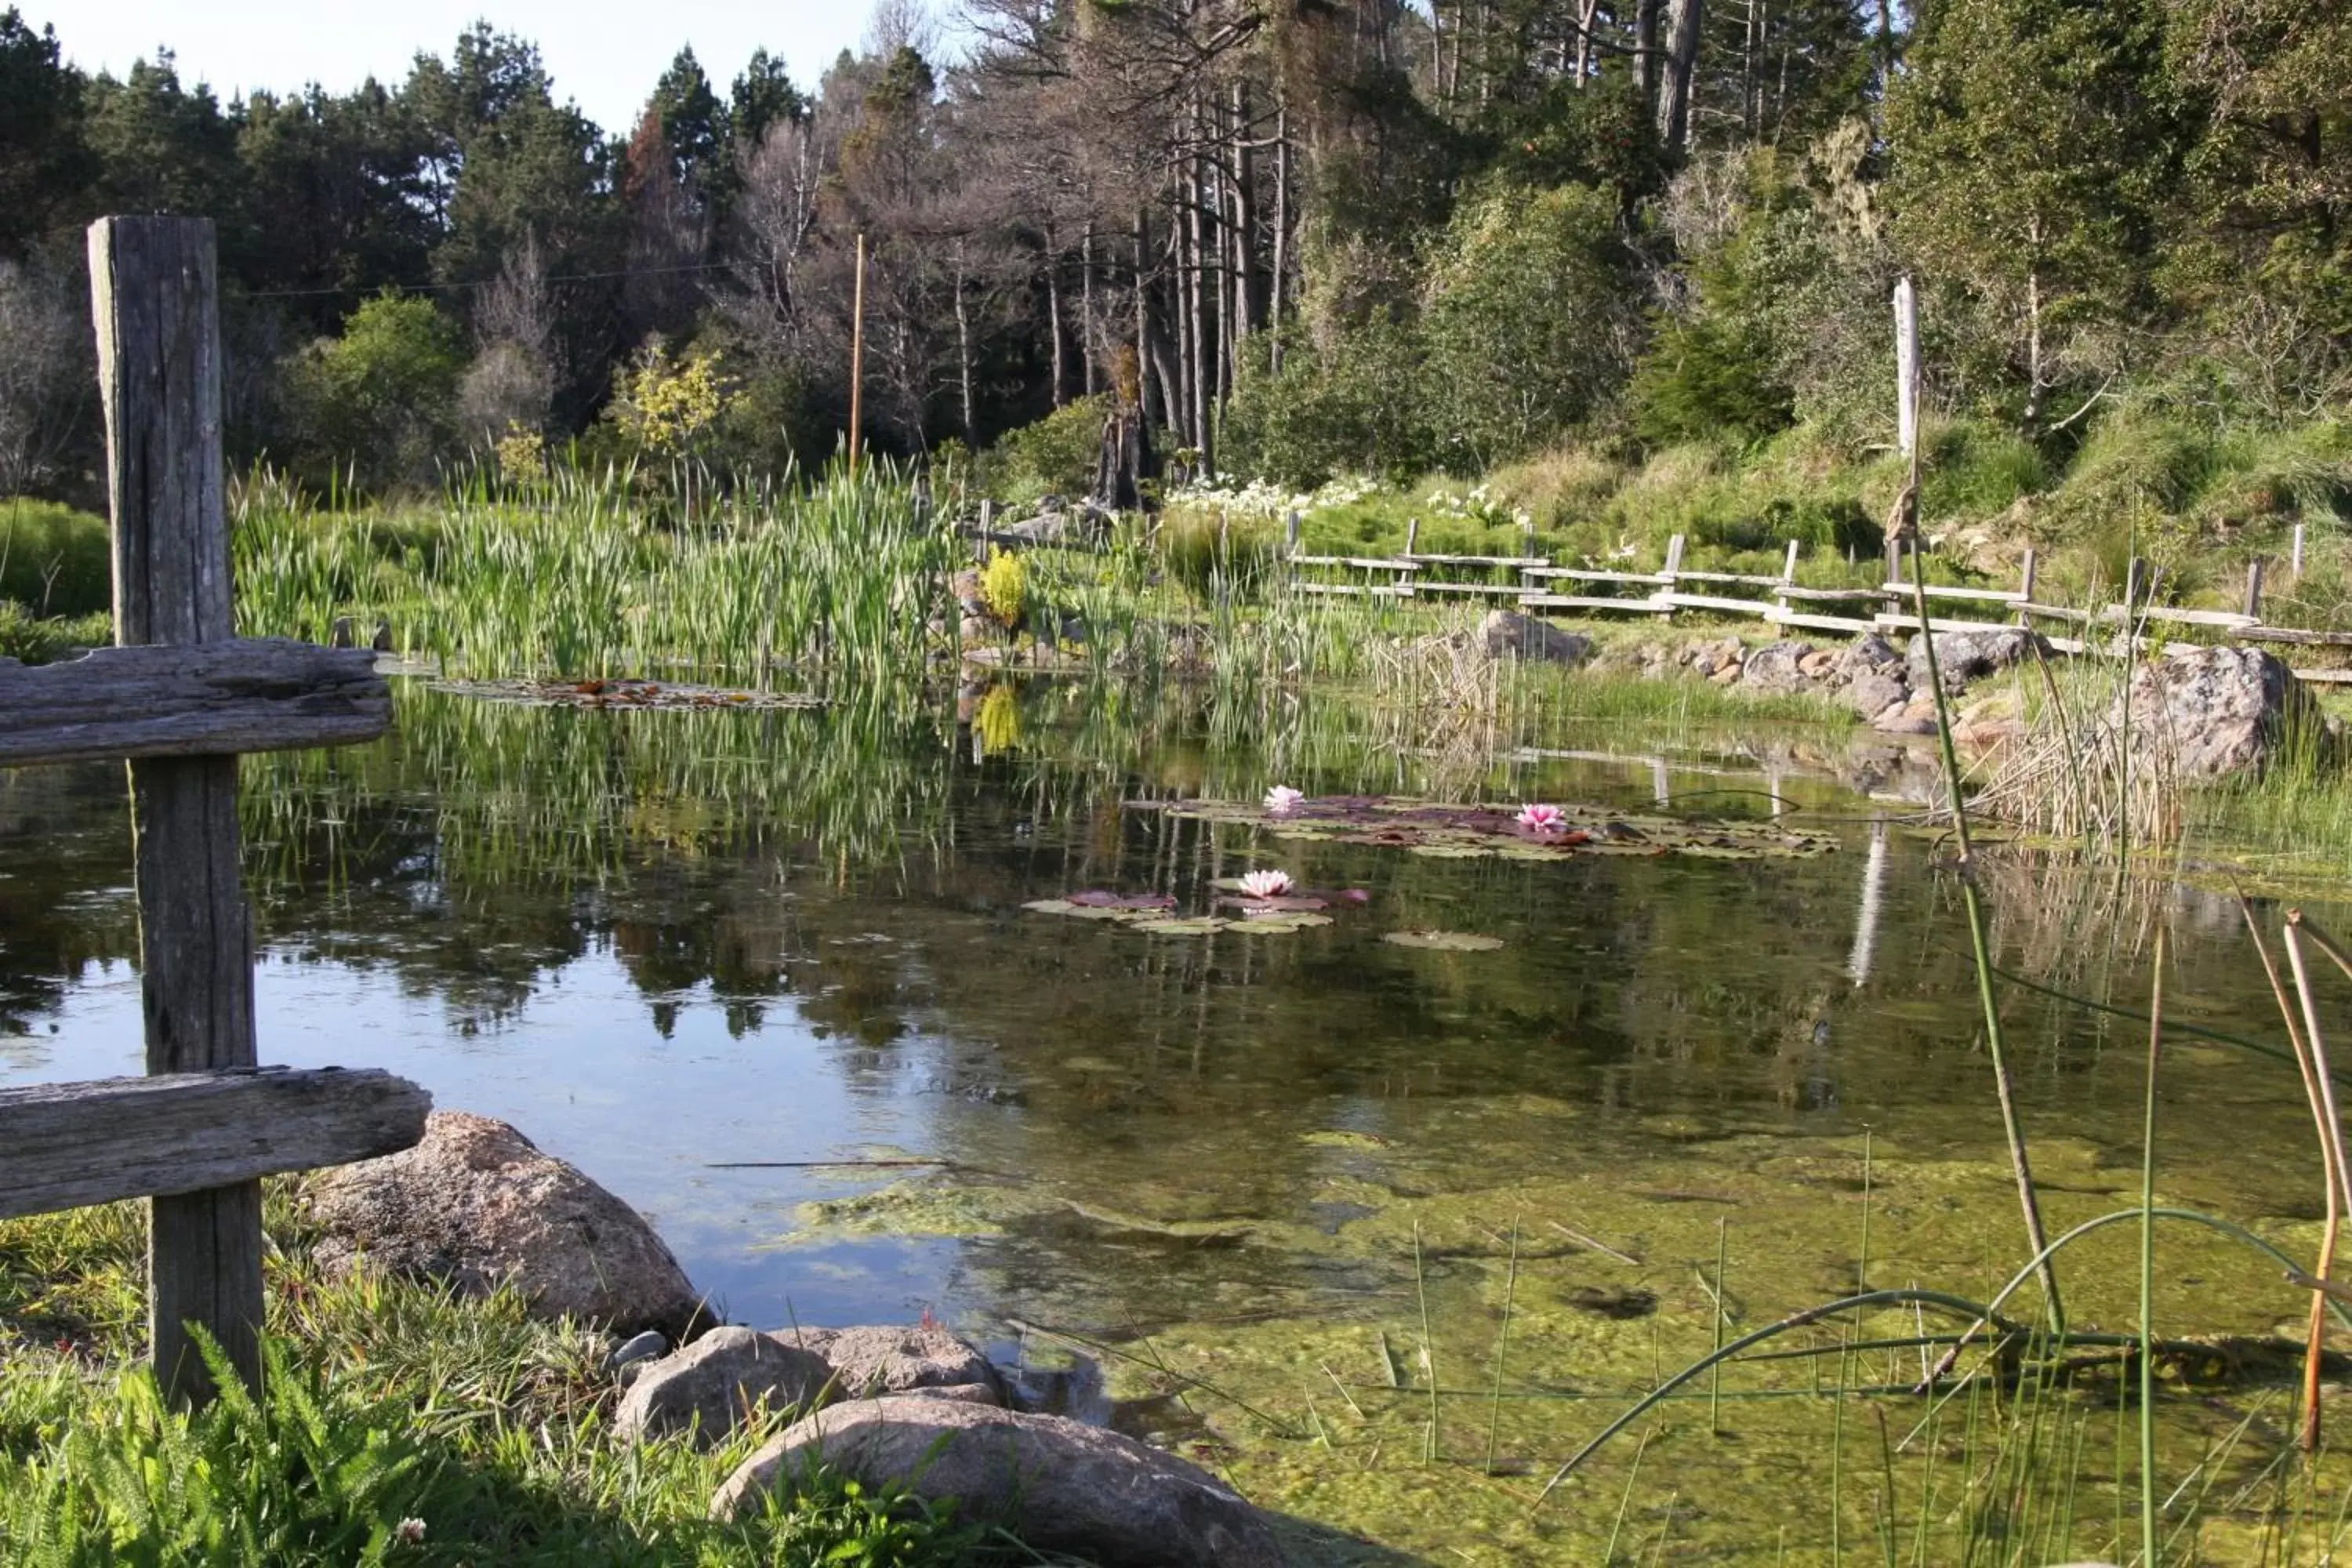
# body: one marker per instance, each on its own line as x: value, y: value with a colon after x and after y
x: 180, y: 696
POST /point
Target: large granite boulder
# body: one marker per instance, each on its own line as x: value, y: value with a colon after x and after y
x: 711, y: 1387
x: 1869, y: 654
x: 2205, y: 712
x: 1873, y: 694
x: 1964, y: 657
x: 1777, y: 667
x: 1058, y: 1485
x: 476, y: 1205
x: 1506, y: 634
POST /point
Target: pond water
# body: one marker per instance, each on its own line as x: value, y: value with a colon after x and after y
x: 1252, y: 1179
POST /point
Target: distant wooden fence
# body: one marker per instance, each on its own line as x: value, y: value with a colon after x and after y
x: 1784, y: 602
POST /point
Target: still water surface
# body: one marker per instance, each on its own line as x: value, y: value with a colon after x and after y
x: 663, y: 944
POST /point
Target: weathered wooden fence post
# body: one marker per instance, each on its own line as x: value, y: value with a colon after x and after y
x: 2253, y: 606
x: 1907, y: 366
x: 1412, y: 535
x: 153, y: 296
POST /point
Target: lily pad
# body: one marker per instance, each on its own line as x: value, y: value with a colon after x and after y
x: 1461, y: 832
x: 1444, y: 941
x: 1095, y: 899
x: 1199, y: 925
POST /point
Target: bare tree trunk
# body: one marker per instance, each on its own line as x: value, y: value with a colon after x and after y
x: 1584, y: 42
x: 1645, y: 49
x: 1281, y: 228
x: 1195, y: 305
x: 1086, y: 305
x: 963, y: 354
x: 1682, y: 59
x: 1053, y: 317
x: 1245, y: 296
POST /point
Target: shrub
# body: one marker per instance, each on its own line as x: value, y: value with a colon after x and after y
x: 1005, y: 586
x: 55, y: 560
x: 1354, y: 405
x: 1530, y: 324
x: 379, y: 399
x: 1054, y: 456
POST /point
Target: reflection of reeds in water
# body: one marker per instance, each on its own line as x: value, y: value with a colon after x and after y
x: 531, y: 794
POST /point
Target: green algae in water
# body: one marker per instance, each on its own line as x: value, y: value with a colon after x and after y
x: 929, y: 1205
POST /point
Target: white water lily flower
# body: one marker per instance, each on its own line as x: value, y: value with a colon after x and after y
x: 1265, y: 884
x: 1283, y: 798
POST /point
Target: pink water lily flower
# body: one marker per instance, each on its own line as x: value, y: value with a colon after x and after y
x: 1282, y: 798
x: 1265, y: 884
x: 1541, y: 819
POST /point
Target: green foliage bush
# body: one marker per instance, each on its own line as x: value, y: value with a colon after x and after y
x: 1054, y: 456
x: 55, y: 560
x: 1357, y: 405
x: 1529, y: 322
x: 378, y: 402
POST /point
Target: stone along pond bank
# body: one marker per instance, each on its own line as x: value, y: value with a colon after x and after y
x: 478, y: 1208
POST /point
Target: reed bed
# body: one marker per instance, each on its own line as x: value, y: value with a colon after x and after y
x: 837, y: 580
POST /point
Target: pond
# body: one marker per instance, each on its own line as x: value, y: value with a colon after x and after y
x: 770, y: 977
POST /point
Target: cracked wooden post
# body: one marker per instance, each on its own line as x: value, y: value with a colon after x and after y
x: 152, y: 293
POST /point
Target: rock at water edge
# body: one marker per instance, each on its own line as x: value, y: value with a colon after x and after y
x: 1056, y: 1485
x: 2205, y: 712
x: 1964, y: 657
x: 476, y: 1205
x: 709, y: 1388
x: 1506, y: 634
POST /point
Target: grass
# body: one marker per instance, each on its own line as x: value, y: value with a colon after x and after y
x: 42, y: 639
x: 581, y: 577
x: 399, y: 1426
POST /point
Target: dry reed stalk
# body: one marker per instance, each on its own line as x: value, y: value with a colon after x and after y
x: 2331, y: 1156
x: 2323, y: 1075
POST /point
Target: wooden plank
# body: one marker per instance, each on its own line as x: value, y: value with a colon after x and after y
x: 1942, y: 591
x: 1819, y: 623
x: 2299, y: 638
x: 1355, y: 590
x: 2227, y: 619
x: 1422, y: 556
x: 154, y: 301
x: 2324, y: 676
x: 2056, y: 612
x: 1830, y: 595
x: 212, y: 698
x: 68, y: 1146
x: 1712, y: 602
x: 1423, y: 586
x: 1892, y: 620
x: 1364, y: 562
x: 1750, y: 579
x: 1584, y: 574
x: 1593, y: 602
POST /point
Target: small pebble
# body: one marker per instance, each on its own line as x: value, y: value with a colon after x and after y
x: 646, y: 1348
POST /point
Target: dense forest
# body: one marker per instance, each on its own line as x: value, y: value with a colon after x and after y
x: 1314, y: 237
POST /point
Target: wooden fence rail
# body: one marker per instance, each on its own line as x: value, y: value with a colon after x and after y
x: 1782, y: 602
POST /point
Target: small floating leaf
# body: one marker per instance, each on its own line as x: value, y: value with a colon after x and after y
x: 1095, y: 899
x: 1445, y: 941
x: 1199, y: 925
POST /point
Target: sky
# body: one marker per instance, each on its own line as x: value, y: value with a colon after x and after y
x: 603, y: 54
